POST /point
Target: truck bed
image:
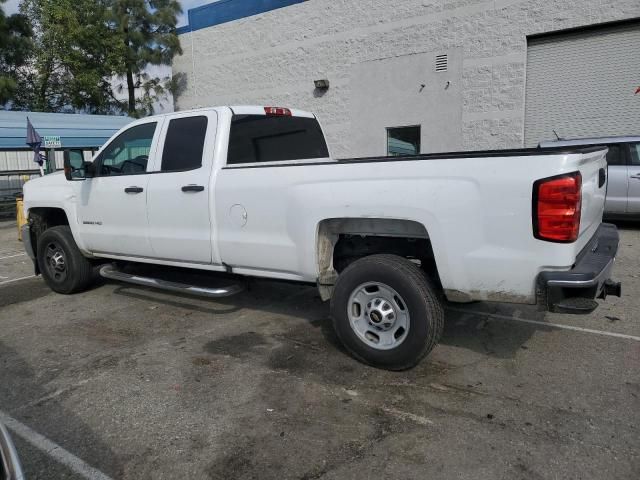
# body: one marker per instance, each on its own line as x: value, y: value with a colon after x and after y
x: 518, y: 152
x: 521, y: 152
x: 477, y: 215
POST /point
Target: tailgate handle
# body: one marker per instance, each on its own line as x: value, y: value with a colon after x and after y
x: 602, y: 178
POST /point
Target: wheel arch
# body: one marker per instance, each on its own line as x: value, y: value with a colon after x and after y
x: 340, y: 241
x: 49, y: 216
x: 41, y: 218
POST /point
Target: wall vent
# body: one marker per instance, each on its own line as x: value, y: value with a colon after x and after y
x: 441, y: 63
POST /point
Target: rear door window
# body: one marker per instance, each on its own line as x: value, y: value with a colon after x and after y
x: 184, y: 144
x: 261, y: 138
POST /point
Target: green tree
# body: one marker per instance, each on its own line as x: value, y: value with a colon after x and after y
x: 147, y: 30
x: 74, y: 58
x: 82, y: 48
x: 15, y: 48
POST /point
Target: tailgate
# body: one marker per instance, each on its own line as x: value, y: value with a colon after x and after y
x: 593, y: 168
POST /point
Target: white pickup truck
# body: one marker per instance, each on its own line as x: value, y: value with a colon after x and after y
x: 253, y: 191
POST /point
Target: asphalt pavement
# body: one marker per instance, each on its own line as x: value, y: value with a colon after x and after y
x: 126, y: 382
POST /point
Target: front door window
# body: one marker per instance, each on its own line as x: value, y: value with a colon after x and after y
x: 128, y: 154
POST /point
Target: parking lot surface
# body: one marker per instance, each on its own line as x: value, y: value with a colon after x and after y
x: 125, y: 382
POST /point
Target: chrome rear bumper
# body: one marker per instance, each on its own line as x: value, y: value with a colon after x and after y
x: 574, y: 291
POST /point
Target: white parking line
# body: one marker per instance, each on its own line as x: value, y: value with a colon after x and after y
x: 16, y: 279
x: 11, y: 256
x: 52, y: 449
x: 547, y: 324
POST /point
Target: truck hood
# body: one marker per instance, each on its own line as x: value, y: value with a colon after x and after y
x: 46, y: 191
x: 55, y: 178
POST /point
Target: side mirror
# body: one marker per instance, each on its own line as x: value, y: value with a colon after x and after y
x: 10, y: 467
x: 75, y: 167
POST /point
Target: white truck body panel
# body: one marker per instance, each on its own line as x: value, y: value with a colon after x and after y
x: 483, y: 245
x: 263, y: 219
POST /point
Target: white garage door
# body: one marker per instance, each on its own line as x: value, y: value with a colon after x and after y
x: 583, y: 84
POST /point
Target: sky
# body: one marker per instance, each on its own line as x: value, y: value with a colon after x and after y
x: 186, y: 5
x: 12, y: 7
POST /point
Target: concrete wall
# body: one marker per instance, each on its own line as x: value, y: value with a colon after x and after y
x: 407, y: 90
x: 273, y: 58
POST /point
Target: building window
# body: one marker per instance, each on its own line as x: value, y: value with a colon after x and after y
x: 403, y: 141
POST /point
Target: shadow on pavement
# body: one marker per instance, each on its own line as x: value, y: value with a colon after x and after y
x: 464, y: 330
x: 625, y: 224
x: 475, y: 331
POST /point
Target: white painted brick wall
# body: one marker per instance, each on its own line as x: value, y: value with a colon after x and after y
x: 274, y: 57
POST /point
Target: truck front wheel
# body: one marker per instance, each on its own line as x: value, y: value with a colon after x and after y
x: 63, y: 267
x: 386, y: 312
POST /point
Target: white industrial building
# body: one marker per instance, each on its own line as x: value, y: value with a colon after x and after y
x: 423, y: 75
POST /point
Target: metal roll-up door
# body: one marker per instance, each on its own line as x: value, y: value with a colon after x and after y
x: 583, y: 83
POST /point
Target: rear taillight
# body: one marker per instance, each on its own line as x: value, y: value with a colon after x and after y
x: 277, y: 111
x: 557, y: 202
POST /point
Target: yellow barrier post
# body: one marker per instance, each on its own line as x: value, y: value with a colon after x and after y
x: 20, y: 217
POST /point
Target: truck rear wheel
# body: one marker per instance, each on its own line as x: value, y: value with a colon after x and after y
x: 386, y: 312
x: 63, y: 267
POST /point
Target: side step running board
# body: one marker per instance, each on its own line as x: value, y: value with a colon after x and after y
x: 110, y: 272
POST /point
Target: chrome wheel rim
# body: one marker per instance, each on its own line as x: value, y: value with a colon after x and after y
x: 378, y: 315
x: 55, y: 262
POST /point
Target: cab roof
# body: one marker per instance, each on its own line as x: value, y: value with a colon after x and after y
x: 247, y: 110
x: 262, y: 110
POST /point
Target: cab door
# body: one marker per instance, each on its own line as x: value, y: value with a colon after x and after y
x: 179, y: 196
x: 112, y: 205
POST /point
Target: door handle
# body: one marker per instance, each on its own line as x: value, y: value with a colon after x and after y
x: 192, y: 188
x: 133, y: 190
x: 637, y: 175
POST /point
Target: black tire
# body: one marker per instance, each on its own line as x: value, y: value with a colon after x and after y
x: 72, y: 272
x: 415, y: 289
